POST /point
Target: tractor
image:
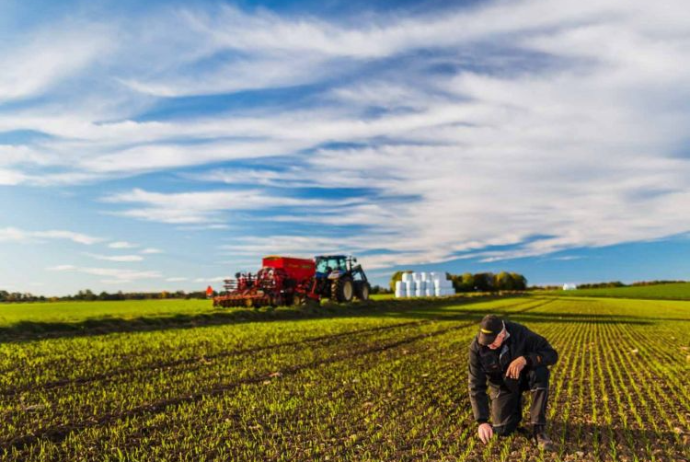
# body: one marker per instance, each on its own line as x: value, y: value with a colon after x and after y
x: 340, y: 278
x: 288, y: 281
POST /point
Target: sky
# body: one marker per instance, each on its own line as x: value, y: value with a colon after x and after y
x: 166, y: 145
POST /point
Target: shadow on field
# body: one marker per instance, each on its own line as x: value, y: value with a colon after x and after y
x: 563, y: 317
x: 416, y: 309
x: 25, y: 331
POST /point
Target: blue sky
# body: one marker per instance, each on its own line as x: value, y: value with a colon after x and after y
x: 167, y: 145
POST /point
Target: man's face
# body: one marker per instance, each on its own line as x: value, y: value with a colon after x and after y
x: 499, y: 340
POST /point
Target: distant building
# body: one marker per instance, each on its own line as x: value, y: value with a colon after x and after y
x: 568, y: 286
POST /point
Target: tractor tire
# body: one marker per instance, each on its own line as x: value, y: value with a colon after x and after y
x: 342, y: 290
x: 362, y: 290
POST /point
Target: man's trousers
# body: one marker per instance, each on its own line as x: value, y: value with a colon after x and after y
x: 506, y: 400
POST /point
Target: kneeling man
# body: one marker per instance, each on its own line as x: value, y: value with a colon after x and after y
x: 512, y: 359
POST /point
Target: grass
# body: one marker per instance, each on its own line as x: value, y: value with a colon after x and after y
x: 12, y: 313
x: 675, y: 291
x: 379, y: 382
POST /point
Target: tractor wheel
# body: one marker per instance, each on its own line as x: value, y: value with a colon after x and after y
x: 342, y: 290
x: 362, y: 291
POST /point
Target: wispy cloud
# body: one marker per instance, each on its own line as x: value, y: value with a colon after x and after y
x: 36, y: 62
x: 151, y: 251
x: 122, y: 245
x: 19, y: 235
x: 62, y: 268
x: 211, y: 280
x: 116, y: 258
x: 568, y: 258
x: 115, y: 275
x: 206, y: 206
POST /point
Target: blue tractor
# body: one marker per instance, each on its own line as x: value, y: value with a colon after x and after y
x: 341, y: 278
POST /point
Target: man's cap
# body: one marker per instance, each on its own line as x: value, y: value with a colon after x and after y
x: 489, y: 328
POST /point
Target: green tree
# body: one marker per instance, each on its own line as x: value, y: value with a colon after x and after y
x: 484, y: 282
x: 504, y: 281
x: 468, y: 282
x: 519, y: 281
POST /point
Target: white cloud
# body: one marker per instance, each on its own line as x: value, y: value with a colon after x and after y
x: 122, y: 275
x: 33, y: 63
x: 11, y: 177
x: 13, y: 234
x: 211, y: 280
x: 19, y: 235
x: 567, y: 258
x: 122, y: 245
x: 62, y: 268
x: 151, y: 250
x: 116, y: 258
x: 207, y: 206
x: 68, y: 235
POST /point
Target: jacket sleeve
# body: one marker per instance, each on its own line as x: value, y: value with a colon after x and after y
x: 477, y: 385
x: 538, y: 351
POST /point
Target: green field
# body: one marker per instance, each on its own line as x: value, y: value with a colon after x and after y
x: 677, y: 291
x: 386, y: 381
x: 70, y: 312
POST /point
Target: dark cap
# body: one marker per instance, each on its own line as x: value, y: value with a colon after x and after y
x: 489, y: 328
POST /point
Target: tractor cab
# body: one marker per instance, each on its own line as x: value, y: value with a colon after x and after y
x: 331, y: 266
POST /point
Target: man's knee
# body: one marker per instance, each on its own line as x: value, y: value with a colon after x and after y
x: 539, y: 377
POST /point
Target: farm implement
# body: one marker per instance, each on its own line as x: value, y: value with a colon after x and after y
x: 296, y: 281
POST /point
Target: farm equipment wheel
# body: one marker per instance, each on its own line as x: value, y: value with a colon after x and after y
x: 362, y: 290
x: 342, y: 290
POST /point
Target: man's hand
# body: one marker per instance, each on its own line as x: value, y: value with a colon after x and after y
x: 516, y: 367
x: 485, y: 432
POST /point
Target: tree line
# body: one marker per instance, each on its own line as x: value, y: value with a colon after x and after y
x: 477, y: 282
x: 88, y: 295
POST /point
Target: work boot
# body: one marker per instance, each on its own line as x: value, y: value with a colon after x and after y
x: 524, y: 432
x: 542, y: 439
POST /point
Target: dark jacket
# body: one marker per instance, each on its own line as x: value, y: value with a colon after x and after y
x: 487, y: 365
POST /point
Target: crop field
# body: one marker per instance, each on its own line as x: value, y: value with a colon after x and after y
x: 676, y: 291
x: 389, y: 384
